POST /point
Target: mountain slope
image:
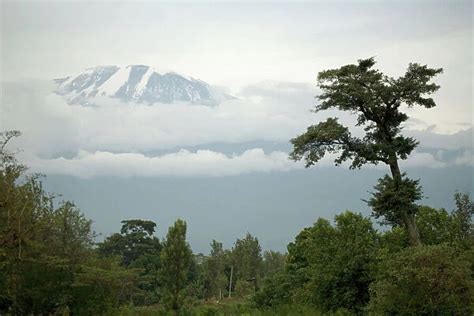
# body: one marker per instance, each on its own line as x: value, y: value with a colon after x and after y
x: 137, y: 83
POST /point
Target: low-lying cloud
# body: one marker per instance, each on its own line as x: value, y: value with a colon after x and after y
x: 188, y: 164
x: 52, y: 127
x: 116, y: 139
x: 182, y: 163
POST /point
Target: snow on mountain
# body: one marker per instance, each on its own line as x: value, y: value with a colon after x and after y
x: 137, y: 83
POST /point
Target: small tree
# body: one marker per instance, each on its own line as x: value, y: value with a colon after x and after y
x: 176, y: 259
x: 376, y: 99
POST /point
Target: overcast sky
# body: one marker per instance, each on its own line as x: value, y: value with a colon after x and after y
x: 266, y: 54
x: 239, y: 44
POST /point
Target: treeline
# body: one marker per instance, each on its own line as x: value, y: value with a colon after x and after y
x: 350, y: 268
x: 51, y: 264
x: 424, y: 264
x: 169, y: 274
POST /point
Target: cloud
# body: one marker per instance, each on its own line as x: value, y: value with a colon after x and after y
x: 185, y: 163
x: 467, y: 159
x: 428, y: 138
x: 182, y: 163
x: 422, y: 159
x: 120, y: 139
x: 52, y: 127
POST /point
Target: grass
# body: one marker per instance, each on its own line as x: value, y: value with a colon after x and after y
x: 227, y: 307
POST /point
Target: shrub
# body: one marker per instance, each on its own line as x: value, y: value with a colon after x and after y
x: 425, y: 280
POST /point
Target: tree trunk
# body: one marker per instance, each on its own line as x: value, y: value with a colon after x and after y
x: 407, y: 218
x: 230, y: 280
x: 412, y: 229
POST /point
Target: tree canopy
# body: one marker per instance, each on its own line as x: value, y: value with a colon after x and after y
x: 376, y: 99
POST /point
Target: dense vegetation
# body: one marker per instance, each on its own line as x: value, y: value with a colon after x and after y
x: 422, y: 264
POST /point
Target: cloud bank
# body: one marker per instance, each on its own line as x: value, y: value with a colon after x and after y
x: 182, y: 163
x: 53, y: 127
x: 117, y: 139
x: 200, y: 163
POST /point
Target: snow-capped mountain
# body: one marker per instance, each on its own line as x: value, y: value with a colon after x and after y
x: 138, y: 83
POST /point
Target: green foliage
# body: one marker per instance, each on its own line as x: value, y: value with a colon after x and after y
x: 227, y: 307
x: 247, y: 262
x: 436, y: 226
x: 393, y: 240
x: 376, y: 99
x: 103, y: 284
x: 137, y: 248
x: 48, y: 263
x: 326, y: 137
x: 138, y: 226
x: 332, y: 268
x: 328, y: 267
x: 42, y: 246
x: 215, y: 279
x: 276, y: 290
x: 273, y: 262
x: 135, y: 239
x: 71, y: 234
x: 149, y: 265
x: 463, y: 216
x: 340, y: 271
x: 42, y: 285
x: 427, y: 280
x: 176, y: 259
x: 394, y: 197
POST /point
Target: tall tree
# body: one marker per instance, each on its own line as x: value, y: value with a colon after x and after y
x: 463, y: 215
x: 41, y: 247
x: 376, y: 99
x: 215, y: 277
x: 247, y: 260
x: 176, y: 259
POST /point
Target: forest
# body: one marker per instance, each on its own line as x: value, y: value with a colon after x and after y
x: 420, y: 263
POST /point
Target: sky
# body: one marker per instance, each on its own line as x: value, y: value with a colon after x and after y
x: 267, y: 55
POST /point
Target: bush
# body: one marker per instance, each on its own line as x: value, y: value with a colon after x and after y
x: 275, y: 290
x: 426, y: 280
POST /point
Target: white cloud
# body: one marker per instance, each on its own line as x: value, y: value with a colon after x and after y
x: 200, y: 163
x: 429, y: 138
x: 182, y: 163
x: 53, y: 127
x: 111, y: 138
x: 420, y: 159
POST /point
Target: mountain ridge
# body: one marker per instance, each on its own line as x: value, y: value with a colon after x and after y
x: 137, y: 83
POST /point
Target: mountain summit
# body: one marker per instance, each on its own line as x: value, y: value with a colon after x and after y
x: 137, y: 83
